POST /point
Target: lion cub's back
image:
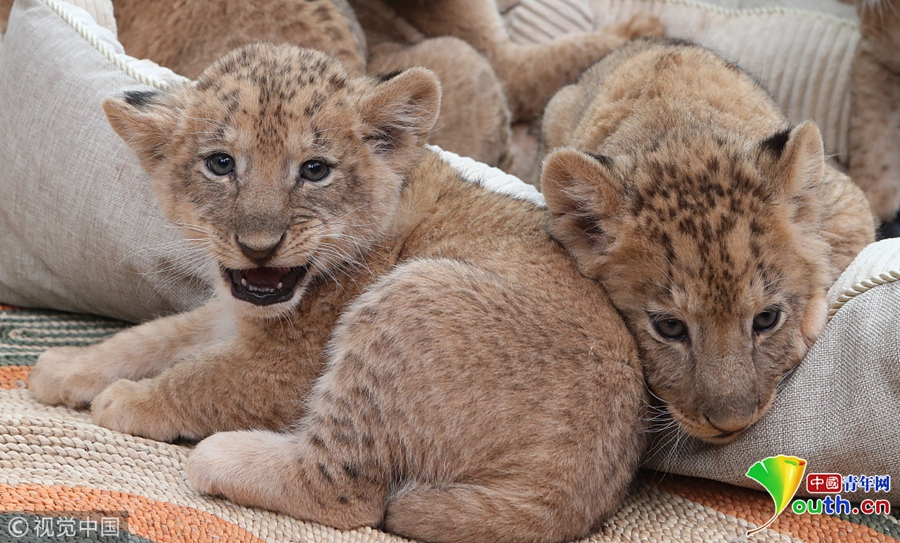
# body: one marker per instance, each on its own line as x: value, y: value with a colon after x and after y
x: 514, y: 329
x: 146, y: 30
x: 510, y: 239
x: 634, y: 80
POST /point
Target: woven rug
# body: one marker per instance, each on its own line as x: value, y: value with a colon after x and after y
x: 59, y: 472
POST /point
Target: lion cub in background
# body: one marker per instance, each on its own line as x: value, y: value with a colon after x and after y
x: 474, y: 385
x: 715, y: 226
x: 875, y: 113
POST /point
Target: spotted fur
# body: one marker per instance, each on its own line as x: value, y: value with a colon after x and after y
x: 443, y: 370
x: 716, y: 227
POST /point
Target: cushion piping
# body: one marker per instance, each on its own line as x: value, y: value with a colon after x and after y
x: 861, y: 287
x: 102, y: 47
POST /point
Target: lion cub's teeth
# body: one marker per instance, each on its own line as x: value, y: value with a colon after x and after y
x: 279, y: 286
x: 243, y: 281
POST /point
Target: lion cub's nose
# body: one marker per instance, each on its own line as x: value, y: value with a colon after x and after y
x: 259, y: 248
x: 732, y: 415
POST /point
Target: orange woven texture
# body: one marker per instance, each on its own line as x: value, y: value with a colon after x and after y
x: 13, y: 376
x: 152, y: 519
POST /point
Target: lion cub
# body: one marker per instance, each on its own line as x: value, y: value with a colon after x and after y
x: 875, y: 110
x: 715, y: 226
x: 472, y: 384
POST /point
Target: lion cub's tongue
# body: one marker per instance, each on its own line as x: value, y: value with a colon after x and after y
x: 265, y: 278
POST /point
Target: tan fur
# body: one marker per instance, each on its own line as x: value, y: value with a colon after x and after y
x: 531, y: 74
x: 875, y: 106
x: 685, y: 192
x: 188, y: 36
x: 476, y: 386
x: 474, y: 119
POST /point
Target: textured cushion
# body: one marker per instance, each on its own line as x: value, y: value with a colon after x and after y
x: 79, y: 228
x: 802, y: 56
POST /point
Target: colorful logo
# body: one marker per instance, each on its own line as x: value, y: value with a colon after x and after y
x: 781, y: 477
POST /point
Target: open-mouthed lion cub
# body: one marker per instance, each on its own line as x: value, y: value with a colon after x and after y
x: 714, y: 225
x: 476, y: 386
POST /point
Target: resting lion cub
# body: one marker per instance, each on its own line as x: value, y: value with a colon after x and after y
x: 875, y: 113
x: 474, y: 385
x: 715, y: 226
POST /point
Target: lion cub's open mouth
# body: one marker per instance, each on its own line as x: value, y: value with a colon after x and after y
x: 264, y: 286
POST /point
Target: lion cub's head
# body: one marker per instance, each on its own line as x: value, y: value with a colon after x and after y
x: 278, y: 164
x: 713, y: 256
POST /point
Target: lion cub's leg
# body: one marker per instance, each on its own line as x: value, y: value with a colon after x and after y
x: 875, y: 103
x: 531, y: 74
x: 297, y: 474
x: 474, y: 118
x: 502, y: 508
x: 244, y: 383
x: 74, y: 376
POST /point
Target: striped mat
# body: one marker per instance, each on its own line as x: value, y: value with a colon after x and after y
x: 60, y: 473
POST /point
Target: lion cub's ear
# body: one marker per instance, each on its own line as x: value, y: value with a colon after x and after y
x: 585, y: 193
x: 794, y: 161
x: 794, y: 158
x: 145, y: 120
x: 399, y: 112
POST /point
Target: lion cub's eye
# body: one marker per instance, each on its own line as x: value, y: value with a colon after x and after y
x: 765, y: 321
x: 670, y: 328
x: 314, y: 170
x: 220, y: 164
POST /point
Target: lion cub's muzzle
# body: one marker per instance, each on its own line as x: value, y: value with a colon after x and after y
x: 265, y: 286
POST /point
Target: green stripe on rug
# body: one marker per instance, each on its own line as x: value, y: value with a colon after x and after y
x: 883, y: 524
x: 25, y: 334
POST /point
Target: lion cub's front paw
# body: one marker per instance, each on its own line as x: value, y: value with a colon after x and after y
x: 65, y: 376
x: 214, y: 460
x: 642, y: 25
x: 128, y: 407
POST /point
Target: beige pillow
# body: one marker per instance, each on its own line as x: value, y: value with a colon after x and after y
x: 79, y: 228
